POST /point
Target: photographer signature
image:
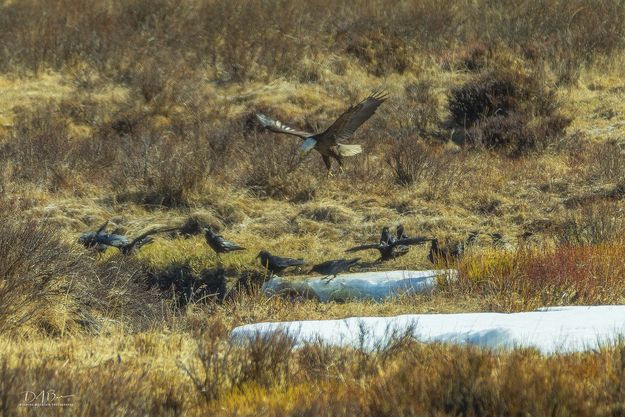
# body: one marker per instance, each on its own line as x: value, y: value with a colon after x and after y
x: 45, y: 398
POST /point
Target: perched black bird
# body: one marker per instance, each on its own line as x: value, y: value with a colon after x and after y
x: 277, y: 264
x: 218, y: 243
x: 389, y: 246
x: 449, y: 252
x: 334, y: 267
x: 400, y: 232
x: 385, y: 237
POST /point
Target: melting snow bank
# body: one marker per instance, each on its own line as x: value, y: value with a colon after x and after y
x: 550, y: 330
x: 377, y: 285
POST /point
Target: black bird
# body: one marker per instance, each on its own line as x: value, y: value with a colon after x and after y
x: 386, y: 236
x: 90, y: 239
x: 100, y: 240
x: 400, y: 232
x: 389, y: 246
x: 334, y: 267
x: 277, y: 264
x: 218, y: 243
x: 452, y: 251
x: 142, y: 240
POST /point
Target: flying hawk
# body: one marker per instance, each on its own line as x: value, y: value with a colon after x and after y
x: 328, y: 143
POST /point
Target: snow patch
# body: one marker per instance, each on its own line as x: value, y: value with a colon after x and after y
x: 550, y: 330
x: 378, y: 285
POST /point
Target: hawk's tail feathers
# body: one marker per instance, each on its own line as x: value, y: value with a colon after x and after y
x: 348, y: 150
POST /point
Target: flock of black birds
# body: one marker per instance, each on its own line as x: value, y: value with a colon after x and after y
x: 329, y: 144
x: 389, y: 247
x: 101, y: 241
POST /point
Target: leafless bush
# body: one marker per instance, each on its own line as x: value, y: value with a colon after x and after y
x: 594, y: 224
x: 223, y: 366
x: 119, y: 289
x: 159, y: 168
x: 508, y: 111
x: 499, y: 92
x: 412, y: 161
x: 421, y: 106
x: 275, y: 169
x: 36, y: 268
x: 49, y: 285
x: 41, y: 149
x: 608, y: 161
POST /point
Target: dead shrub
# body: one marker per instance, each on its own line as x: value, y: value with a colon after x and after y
x: 412, y: 161
x: 222, y: 367
x: 50, y: 286
x: 159, y: 168
x: 275, y: 169
x: 488, y: 95
x: 595, y: 223
x: 36, y: 268
x: 381, y: 53
x: 508, y: 134
x: 507, y: 111
x: 516, y: 134
x: 408, y: 161
x: 421, y: 107
x: 41, y: 149
x: 119, y: 289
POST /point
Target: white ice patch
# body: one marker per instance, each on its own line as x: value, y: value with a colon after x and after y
x: 307, y: 146
x: 550, y: 330
x: 374, y: 285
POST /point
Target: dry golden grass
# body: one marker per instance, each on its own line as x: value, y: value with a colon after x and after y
x: 140, y: 113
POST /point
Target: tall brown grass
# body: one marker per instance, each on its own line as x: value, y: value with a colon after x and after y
x: 160, y: 116
x: 269, y: 376
x: 51, y: 287
x: 533, y: 277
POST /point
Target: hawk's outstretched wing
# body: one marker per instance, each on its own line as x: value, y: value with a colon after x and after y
x: 348, y: 122
x: 278, y: 127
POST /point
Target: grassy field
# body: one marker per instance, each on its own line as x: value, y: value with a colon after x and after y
x: 503, y: 117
